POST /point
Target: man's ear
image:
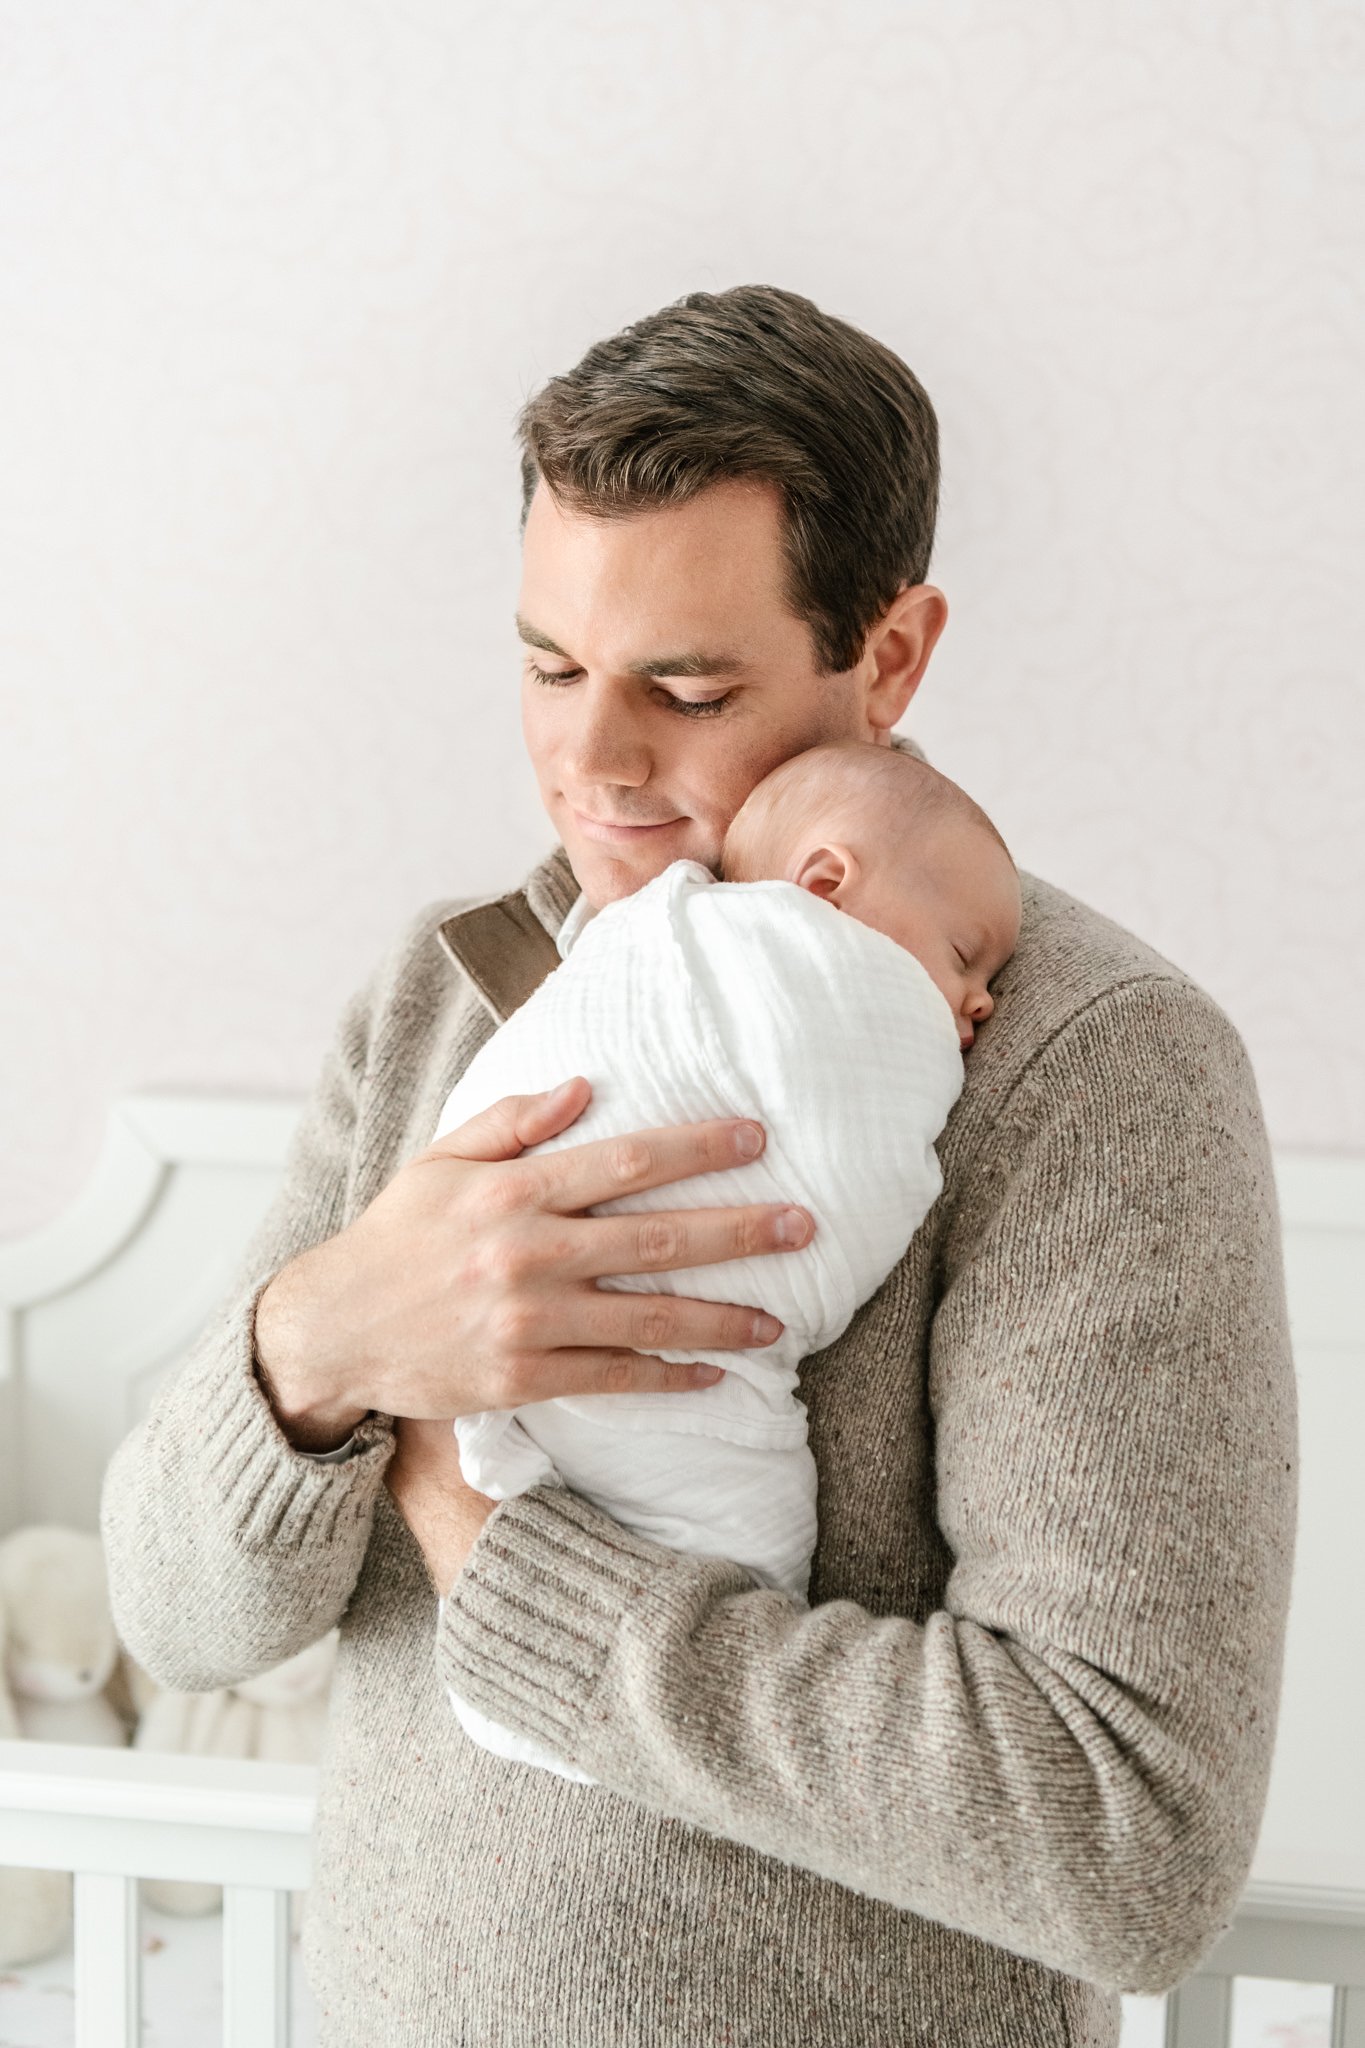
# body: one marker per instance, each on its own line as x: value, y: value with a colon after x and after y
x: 827, y: 871
x: 898, y: 649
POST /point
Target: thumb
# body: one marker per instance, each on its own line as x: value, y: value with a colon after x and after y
x: 511, y: 1123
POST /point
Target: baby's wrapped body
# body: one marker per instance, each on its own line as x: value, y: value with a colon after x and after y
x: 688, y: 1000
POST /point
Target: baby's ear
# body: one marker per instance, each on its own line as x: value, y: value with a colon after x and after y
x: 828, y: 872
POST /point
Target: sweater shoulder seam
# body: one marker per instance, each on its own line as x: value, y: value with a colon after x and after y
x: 1174, y: 981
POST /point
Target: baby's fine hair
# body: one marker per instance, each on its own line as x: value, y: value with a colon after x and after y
x: 802, y: 786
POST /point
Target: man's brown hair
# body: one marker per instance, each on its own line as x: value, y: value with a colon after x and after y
x: 755, y: 382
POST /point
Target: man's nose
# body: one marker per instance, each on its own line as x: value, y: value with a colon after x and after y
x: 605, y: 746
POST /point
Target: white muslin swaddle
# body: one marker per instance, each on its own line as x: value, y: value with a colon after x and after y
x: 693, y: 999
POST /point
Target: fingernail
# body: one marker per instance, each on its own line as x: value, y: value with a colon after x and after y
x: 792, y: 1227
x: 748, y: 1141
x: 707, y: 1375
x: 766, y: 1329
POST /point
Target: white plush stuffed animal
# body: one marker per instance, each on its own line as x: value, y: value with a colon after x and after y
x: 277, y: 1717
x: 62, y: 1650
x: 35, y: 1905
x: 57, y: 1654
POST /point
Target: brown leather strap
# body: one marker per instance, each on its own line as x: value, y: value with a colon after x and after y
x: 503, y: 948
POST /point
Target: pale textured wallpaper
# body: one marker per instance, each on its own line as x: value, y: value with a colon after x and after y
x: 274, y: 279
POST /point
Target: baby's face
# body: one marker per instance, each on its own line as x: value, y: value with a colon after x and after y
x: 956, y: 907
x: 943, y: 888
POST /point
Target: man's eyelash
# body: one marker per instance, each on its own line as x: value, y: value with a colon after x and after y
x: 689, y: 707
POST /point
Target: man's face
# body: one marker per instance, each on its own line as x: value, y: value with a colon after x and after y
x: 679, y: 677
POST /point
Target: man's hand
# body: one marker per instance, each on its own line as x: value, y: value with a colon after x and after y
x: 470, y: 1282
x: 444, y: 1514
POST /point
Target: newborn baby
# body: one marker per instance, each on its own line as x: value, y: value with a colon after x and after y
x: 828, y: 987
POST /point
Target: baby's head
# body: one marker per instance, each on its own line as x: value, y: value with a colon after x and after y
x: 880, y: 834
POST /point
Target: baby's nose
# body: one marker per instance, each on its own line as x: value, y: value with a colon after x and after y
x: 981, y: 1006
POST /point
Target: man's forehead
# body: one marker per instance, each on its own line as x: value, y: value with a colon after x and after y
x: 674, y: 577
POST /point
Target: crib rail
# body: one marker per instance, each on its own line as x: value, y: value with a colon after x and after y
x: 1298, y: 1933
x: 116, y: 1815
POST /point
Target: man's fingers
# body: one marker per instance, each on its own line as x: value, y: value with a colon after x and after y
x: 606, y: 1168
x: 662, y: 1240
x: 622, y: 1372
x: 629, y: 1322
x: 580, y: 1176
x: 511, y: 1123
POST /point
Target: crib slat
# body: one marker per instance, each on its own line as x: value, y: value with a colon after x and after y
x: 1348, y: 2016
x: 107, y: 1985
x: 255, y: 1967
x: 1199, y: 2013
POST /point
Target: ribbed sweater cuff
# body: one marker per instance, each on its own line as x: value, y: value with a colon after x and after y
x: 528, y: 1625
x: 251, y: 1476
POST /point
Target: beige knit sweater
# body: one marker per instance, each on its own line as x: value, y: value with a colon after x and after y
x: 1011, y: 1762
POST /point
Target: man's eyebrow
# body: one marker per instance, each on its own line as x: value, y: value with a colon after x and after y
x: 694, y: 663
x: 533, y: 637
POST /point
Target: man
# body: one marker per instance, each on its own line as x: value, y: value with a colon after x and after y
x: 1013, y: 1759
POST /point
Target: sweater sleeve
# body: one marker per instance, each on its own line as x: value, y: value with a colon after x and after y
x: 1069, y: 1758
x: 227, y: 1549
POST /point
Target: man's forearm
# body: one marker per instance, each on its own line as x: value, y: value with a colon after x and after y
x: 311, y: 1415
x: 442, y: 1510
x: 203, y: 1498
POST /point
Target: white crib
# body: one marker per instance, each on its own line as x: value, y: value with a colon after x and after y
x: 115, y: 1815
x: 96, y: 1308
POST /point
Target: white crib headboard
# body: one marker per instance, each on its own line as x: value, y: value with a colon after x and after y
x: 98, y: 1306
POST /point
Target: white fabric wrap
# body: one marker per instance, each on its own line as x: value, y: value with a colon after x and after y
x: 693, y: 999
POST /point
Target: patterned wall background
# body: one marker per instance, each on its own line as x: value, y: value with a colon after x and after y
x: 275, y: 276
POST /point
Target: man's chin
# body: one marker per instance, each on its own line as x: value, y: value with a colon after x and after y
x: 605, y: 875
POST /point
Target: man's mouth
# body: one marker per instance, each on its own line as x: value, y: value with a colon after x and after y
x: 603, y: 828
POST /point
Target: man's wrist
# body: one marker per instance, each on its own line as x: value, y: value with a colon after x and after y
x: 309, y: 1420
